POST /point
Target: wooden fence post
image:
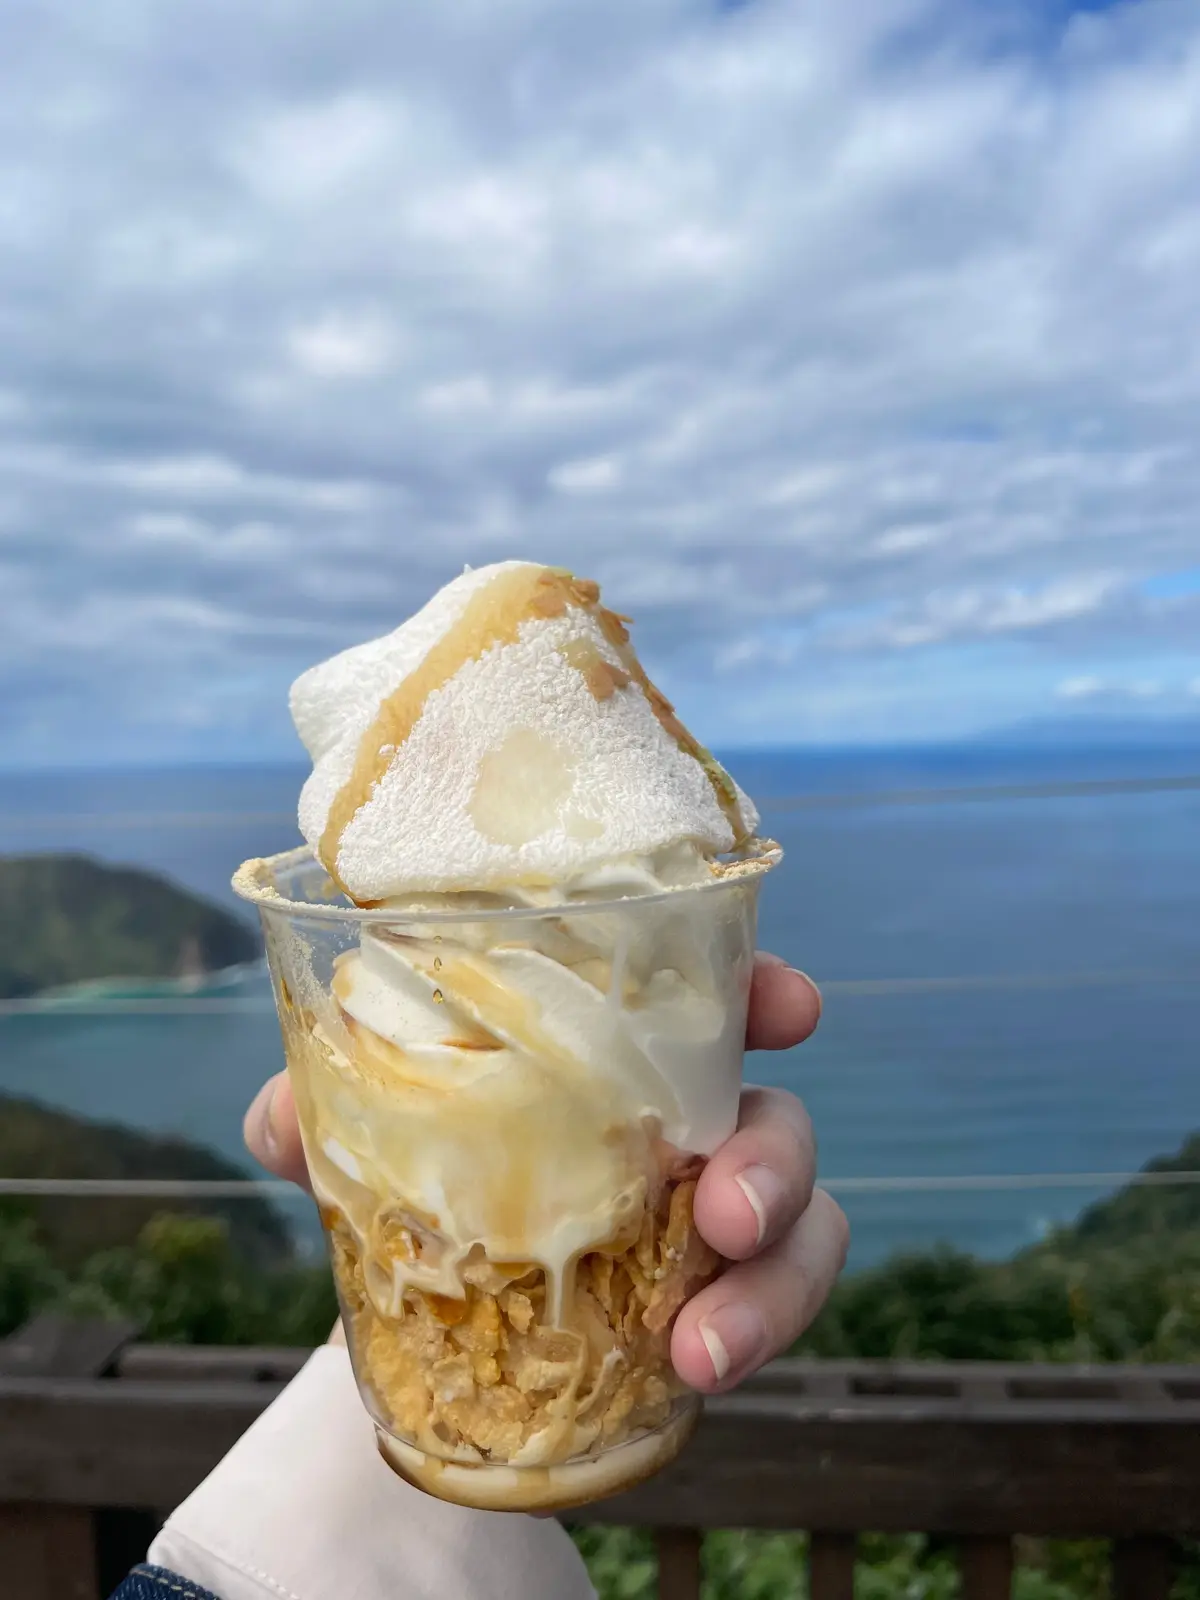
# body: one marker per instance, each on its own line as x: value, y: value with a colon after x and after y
x: 1143, y: 1569
x: 987, y: 1568
x: 48, y: 1552
x: 678, y: 1563
x: 831, y: 1558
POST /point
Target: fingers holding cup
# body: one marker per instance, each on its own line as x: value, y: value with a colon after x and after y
x: 271, y: 1130
x: 758, y: 1308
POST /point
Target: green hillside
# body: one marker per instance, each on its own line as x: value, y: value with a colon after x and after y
x: 67, y: 919
x: 1122, y: 1283
x: 38, y: 1141
x: 1143, y: 1215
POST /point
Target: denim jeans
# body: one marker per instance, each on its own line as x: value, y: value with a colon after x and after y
x: 156, y: 1583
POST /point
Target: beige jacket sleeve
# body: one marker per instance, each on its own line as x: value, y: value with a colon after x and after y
x: 303, y: 1508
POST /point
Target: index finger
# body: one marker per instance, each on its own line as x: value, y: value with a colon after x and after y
x: 761, y: 1179
x: 272, y: 1131
x: 785, y: 1005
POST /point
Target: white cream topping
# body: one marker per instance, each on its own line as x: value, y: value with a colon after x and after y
x: 537, y: 759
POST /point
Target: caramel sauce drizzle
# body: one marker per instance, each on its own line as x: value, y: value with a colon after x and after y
x: 493, y: 616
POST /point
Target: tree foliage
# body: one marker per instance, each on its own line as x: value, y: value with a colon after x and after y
x: 181, y: 1281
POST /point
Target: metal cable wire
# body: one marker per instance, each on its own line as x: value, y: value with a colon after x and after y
x: 149, y: 1188
x: 1016, y: 982
x: 984, y: 1182
x: 146, y: 819
x: 947, y: 1183
x: 65, y: 1006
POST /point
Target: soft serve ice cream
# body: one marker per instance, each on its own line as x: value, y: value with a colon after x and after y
x: 509, y: 1078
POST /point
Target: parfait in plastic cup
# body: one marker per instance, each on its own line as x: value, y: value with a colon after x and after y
x: 486, y: 1101
x: 515, y: 1034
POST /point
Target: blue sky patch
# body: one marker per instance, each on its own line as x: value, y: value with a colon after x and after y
x: 1172, y: 585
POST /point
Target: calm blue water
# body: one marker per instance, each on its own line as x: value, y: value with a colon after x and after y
x: 1062, y: 1075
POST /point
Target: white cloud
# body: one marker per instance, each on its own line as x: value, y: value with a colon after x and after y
x: 458, y: 395
x: 843, y: 342
x: 342, y: 346
x: 307, y: 153
x: 904, y: 539
x: 978, y: 613
x: 1171, y: 693
x: 811, y: 484
x: 586, y: 477
x: 176, y: 527
x: 1056, y: 602
x: 206, y: 478
x: 1083, y: 687
x: 753, y: 652
x: 199, y: 476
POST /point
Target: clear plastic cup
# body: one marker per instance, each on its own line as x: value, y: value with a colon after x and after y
x: 504, y: 1113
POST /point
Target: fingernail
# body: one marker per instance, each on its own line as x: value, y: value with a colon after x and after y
x: 769, y: 959
x: 816, y: 991
x: 260, y: 1119
x: 765, y: 1191
x: 735, y: 1337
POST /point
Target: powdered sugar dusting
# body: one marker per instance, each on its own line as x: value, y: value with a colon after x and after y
x: 517, y: 770
x: 334, y: 703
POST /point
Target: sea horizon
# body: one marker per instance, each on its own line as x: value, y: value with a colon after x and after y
x: 1166, y: 735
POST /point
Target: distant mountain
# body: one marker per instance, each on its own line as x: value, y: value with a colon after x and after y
x: 1093, y: 730
x: 68, y: 919
x: 39, y: 1141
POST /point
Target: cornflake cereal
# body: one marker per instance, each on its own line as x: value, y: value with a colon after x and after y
x: 485, y: 1378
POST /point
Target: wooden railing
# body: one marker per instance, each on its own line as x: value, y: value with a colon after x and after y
x: 96, y: 1431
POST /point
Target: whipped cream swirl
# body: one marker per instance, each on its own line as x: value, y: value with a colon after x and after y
x: 519, y: 1080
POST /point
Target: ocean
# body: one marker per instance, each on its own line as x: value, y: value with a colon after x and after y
x: 1010, y: 981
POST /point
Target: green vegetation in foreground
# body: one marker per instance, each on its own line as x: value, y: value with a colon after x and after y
x: 181, y: 1281
x: 38, y: 1141
x: 66, y: 919
x: 1121, y: 1284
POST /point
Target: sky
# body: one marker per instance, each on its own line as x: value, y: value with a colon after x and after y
x: 855, y: 349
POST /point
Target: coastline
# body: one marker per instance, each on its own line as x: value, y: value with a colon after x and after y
x: 192, y: 986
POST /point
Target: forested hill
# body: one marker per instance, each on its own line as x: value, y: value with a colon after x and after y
x: 40, y: 1141
x: 69, y: 919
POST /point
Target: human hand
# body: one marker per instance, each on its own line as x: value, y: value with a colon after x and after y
x: 756, y: 1203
